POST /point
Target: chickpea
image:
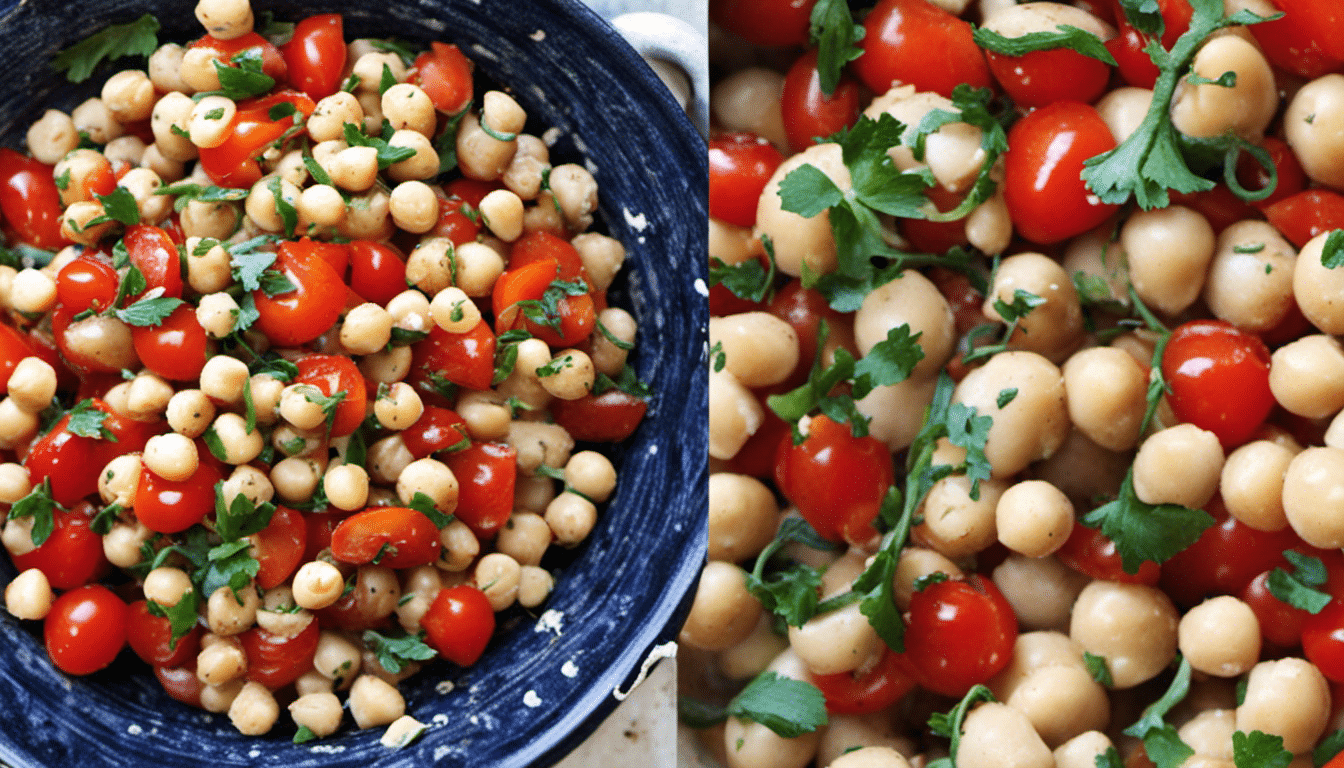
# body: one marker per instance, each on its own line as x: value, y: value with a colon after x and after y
x: 478, y: 267
x: 758, y: 348
x: 1220, y: 636
x: 167, y: 586
x: 52, y: 137
x: 1082, y: 750
x: 220, y: 661
x: 171, y: 111
x: 750, y: 744
x: 1061, y: 701
x: 374, y: 702
x: 210, y: 121
x: 424, y: 164
x: 956, y: 523
x: 231, y: 613
x: 172, y: 456
x: 602, y: 257
x: 575, y: 192
x: 1288, y: 698
x: 261, y: 206
x: 1034, y: 518
x: 1179, y: 465
x: 1311, y: 126
x: 896, y: 411
x: 225, y: 20
x: 1169, y: 251
x: 460, y: 547
x: 569, y: 375
x: 530, y: 161
x: 32, y: 384
x: 997, y: 736
x: 29, y: 596
x: 1211, y: 109
x: 797, y: 239
x: 14, y: 484
x: 1029, y: 427
x: 95, y: 118
x: 1054, y: 327
x: 912, y: 300
x: 454, y: 311
x: 524, y: 537
x: 498, y: 575
x: 337, y: 658
x: 327, y: 123
x: 121, y: 545
x: 837, y: 641
x: 1107, y: 391
x: 749, y: 100
x: 723, y: 612
x: 431, y: 477
x: 1132, y: 626
x: 369, y: 69
x: 1313, y: 499
x: 318, y: 712
x: 1307, y: 376
x: 414, y: 206
x: 407, y: 106
x: 480, y: 155
x: 1250, y: 281
x: 255, y: 710
x: 1252, y: 484
x: 1041, y: 590
x: 502, y: 211
x: 591, y: 474
x: 571, y: 518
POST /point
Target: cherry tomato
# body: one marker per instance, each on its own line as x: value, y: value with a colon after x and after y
x: 436, y: 429
x: 1136, y: 67
x: 836, y: 480
x: 455, y: 221
x: 150, y: 636
x: 396, y: 537
x: 445, y: 75
x: 68, y: 460
x: 1041, y: 78
x: 278, y: 660
x: 333, y: 374
x: 740, y: 165
x: 764, y: 22
x: 606, y: 418
x: 466, y: 359
x: 170, y: 506
x: 1292, y: 44
x: 72, y: 555
x: 875, y: 689
x: 181, y: 683
x: 471, y: 191
x: 936, y: 236
x: 233, y: 163
x: 756, y: 457
x: 29, y: 200
x: 572, y: 320
x: 535, y: 247
x: 485, y: 475
x: 1291, y: 179
x: 459, y: 623
x: 1089, y: 552
x: 272, y: 61
x: 808, y: 112
x: 315, y: 55
x: 1280, y: 623
x: 175, y: 348
x: 960, y: 633
x: 901, y: 39
x: 98, y: 179
x: 318, y: 526
x: 1224, y: 559
x: 279, y: 547
x: 1323, y: 640
x: 85, y: 629
x: 1324, y: 17
x: 153, y: 252
x: 1303, y: 216
x: 1219, y: 379
x: 14, y: 347
x: 87, y: 282
x: 1042, y: 186
x: 377, y: 271
x: 299, y: 316
x: 1219, y: 205
x: 804, y: 309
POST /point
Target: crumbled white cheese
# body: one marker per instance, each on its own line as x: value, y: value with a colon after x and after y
x: 550, y: 621
x: 569, y: 669
x: 700, y: 287
x: 538, y: 36
x: 531, y: 699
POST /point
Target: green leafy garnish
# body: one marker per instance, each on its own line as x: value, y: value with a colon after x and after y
x: 788, y: 707
x: 748, y: 280
x: 87, y: 421
x: 118, y: 205
x: 304, y: 734
x: 240, y: 517
x: 288, y: 214
x: 1259, y: 750
x: 136, y: 38
x: 1096, y: 666
x: 40, y: 506
x: 546, y: 310
x: 387, y: 155
x: 181, y: 617
x: 1332, y: 252
x: 187, y: 192
x: 1143, y: 531
x: 395, y: 652
x: 1329, y: 746
x: 1065, y: 36
x: 245, y: 78
x: 1160, y: 741
x: 421, y: 503
x: 790, y: 593
x: 835, y: 35
x: 150, y: 312
x: 1012, y: 313
x: 949, y: 725
x: 1298, y: 588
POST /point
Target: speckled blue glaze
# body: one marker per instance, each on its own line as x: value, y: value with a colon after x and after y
x: 625, y: 590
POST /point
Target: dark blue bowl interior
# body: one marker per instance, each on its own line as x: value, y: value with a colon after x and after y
x: 625, y: 590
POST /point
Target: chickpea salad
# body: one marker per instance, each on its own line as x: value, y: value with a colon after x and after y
x: 1024, y: 386
x: 303, y: 339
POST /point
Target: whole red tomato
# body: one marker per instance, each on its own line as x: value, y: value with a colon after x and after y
x: 1292, y: 43
x: 72, y: 555
x: 150, y: 637
x: 485, y: 475
x: 916, y: 42
x: 396, y: 537
x: 1040, y: 78
x: 315, y: 55
x: 85, y: 629
x: 764, y: 22
x: 960, y: 633
x: 297, y: 317
x: 1090, y: 552
x: 1042, y: 183
x: 740, y: 165
x: 460, y: 622
x: 175, y: 348
x: 836, y: 480
x: 29, y: 200
x: 445, y: 74
x: 809, y: 113
x: 1305, y: 215
x: 1219, y: 379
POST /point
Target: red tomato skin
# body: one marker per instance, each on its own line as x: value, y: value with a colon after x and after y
x: 836, y: 480
x: 454, y: 223
x: 175, y: 349
x: 1043, y: 189
x: 1219, y: 379
x: 279, y: 547
x: 1041, y: 78
x: 1291, y: 44
x: 1219, y: 205
x: 276, y: 660
x: 85, y: 629
x: 809, y: 113
x: 88, y: 282
x: 466, y: 359
x: 272, y: 61
x: 764, y: 22
x: 606, y: 418
x: 153, y: 252
x: 30, y: 201
x: 486, y: 473
x: 231, y: 164
x: 411, y: 539
x: 169, y: 506
x: 149, y: 636
x: 740, y: 165
x: 535, y: 247
x: 73, y: 555
x: 876, y: 689
x: 1280, y: 623
x: 1224, y: 559
x: 528, y: 282
x: 1089, y: 552
x: 66, y: 458
x: 332, y: 374
x: 181, y: 683
x: 436, y: 429
x: 315, y: 55
x: 936, y: 236
x: 1323, y: 640
x: 299, y: 316
x: 901, y: 34
x: 318, y: 527
x: 459, y: 624
x: 1305, y: 215
x: 445, y: 75
x: 804, y: 309
x: 14, y: 347
x: 1324, y: 17
x: 377, y: 271
x: 1136, y: 67
x: 960, y: 633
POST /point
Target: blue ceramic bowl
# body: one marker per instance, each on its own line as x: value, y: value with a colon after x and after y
x: 625, y: 590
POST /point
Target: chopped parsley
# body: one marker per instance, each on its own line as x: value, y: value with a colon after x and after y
x: 136, y: 38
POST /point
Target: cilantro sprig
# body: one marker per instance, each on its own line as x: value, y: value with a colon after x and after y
x: 1065, y: 36
x: 395, y: 652
x: 136, y: 38
x: 1299, y: 588
x: 789, y: 592
x: 1160, y: 740
x: 786, y: 706
x: 832, y: 30
x: 949, y: 725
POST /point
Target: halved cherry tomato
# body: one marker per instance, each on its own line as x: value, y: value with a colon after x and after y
x: 170, y: 506
x: 1089, y: 552
x: 960, y: 633
x: 1324, y: 17
x: 233, y: 163
x: 836, y: 480
x: 804, y: 309
x: 436, y: 429
x: 459, y: 623
x: 72, y: 555
x: 150, y: 636
x: 278, y: 660
x: 466, y: 359
x: 333, y: 374
x: 536, y: 247
x: 572, y: 320
x: 1280, y: 623
x: 272, y: 61
x: 886, y: 683
x: 315, y: 55
x: 299, y: 316
x: 396, y: 537
x: 181, y: 683
x: 485, y: 475
x: 153, y: 252
x: 445, y: 74
x: 606, y: 418
x: 99, y: 179
x: 175, y: 348
x: 454, y: 223
x: 1219, y: 379
x: 1042, y: 184
x: 901, y: 39
x: 30, y: 201
x: 85, y: 629
x: 1305, y: 215
x: 377, y: 271
x: 87, y: 282
x: 1219, y: 205
x: 14, y: 347
x: 809, y: 113
x: 279, y: 547
x: 740, y: 165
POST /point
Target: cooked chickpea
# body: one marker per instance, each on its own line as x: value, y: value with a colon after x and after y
x: 319, y: 712
x: 1313, y: 496
x: 261, y: 206
x: 1250, y: 281
x: 956, y: 523
x: 758, y: 348
x: 1033, y: 518
x: 432, y: 478
x: 173, y: 111
x: 478, y: 267
x: 912, y: 300
x: 34, y: 292
x: 1220, y: 636
x: 534, y: 586
x: 1082, y: 750
x: 369, y: 69
x: 171, y: 456
x: 1130, y: 625
x: 354, y: 168
x: 407, y: 106
x: 337, y: 658
x: 148, y: 395
x: 414, y: 206
x: 480, y: 155
x: 1289, y: 698
x: 231, y: 613
x: 387, y: 366
x: 836, y: 641
x: 530, y: 161
x: 996, y: 735
x: 166, y: 585
x: 734, y: 415
x: 1307, y: 376
x: 459, y: 547
x: 14, y: 483
x: 430, y: 267
x: 1030, y: 426
x: 399, y: 407
x: 327, y: 123
x: 524, y: 537
x: 1179, y: 465
x: 52, y: 137
x: 295, y: 478
x: 454, y: 311
x: 387, y: 458
x: 211, y: 120
x: 538, y: 443
x: 1251, y: 484
x: 1053, y: 328
x: 121, y: 545
x: 575, y: 192
x: 250, y: 482
x: 569, y: 375
x: 255, y: 710
x: 723, y: 612
x: 1061, y: 702
x: 1311, y: 125
x: 1041, y: 590
x: 424, y: 164
x: 32, y: 384
x: 225, y: 20
x: 591, y: 474
x: 748, y: 100
x: 1168, y: 251
x: 571, y: 518
x: 95, y: 118
x: 502, y: 211
x: 1107, y: 392
x: 29, y: 595
x: 367, y: 329
x: 374, y: 702
x: 497, y: 575
x: 1210, y: 109
x: 221, y: 661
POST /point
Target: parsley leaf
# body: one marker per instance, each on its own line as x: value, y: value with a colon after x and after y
x: 229, y: 565
x: 289, y: 215
x: 1332, y: 252
x: 790, y: 593
x: 186, y: 192
x: 246, y: 78
x: 1096, y: 666
x: 833, y: 31
x: 248, y: 263
x: 1144, y: 531
x: 788, y: 707
x: 40, y: 506
x: 748, y: 280
x: 303, y: 735
x: 118, y: 205
x: 1329, y: 746
x: 149, y: 313
x: 1065, y: 36
x: 327, y: 403
x: 546, y: 310
x: 1259, y: 750
x: 949, y: 725
x: 136, y: 38
x: 387, y: 155
x: 87, y: 421
x: 240, y: 517
x: 395, y: 652
x: 421, y: 503
x: 181, y: 617
x: 1298, y: 588
x: 1160, y: 741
